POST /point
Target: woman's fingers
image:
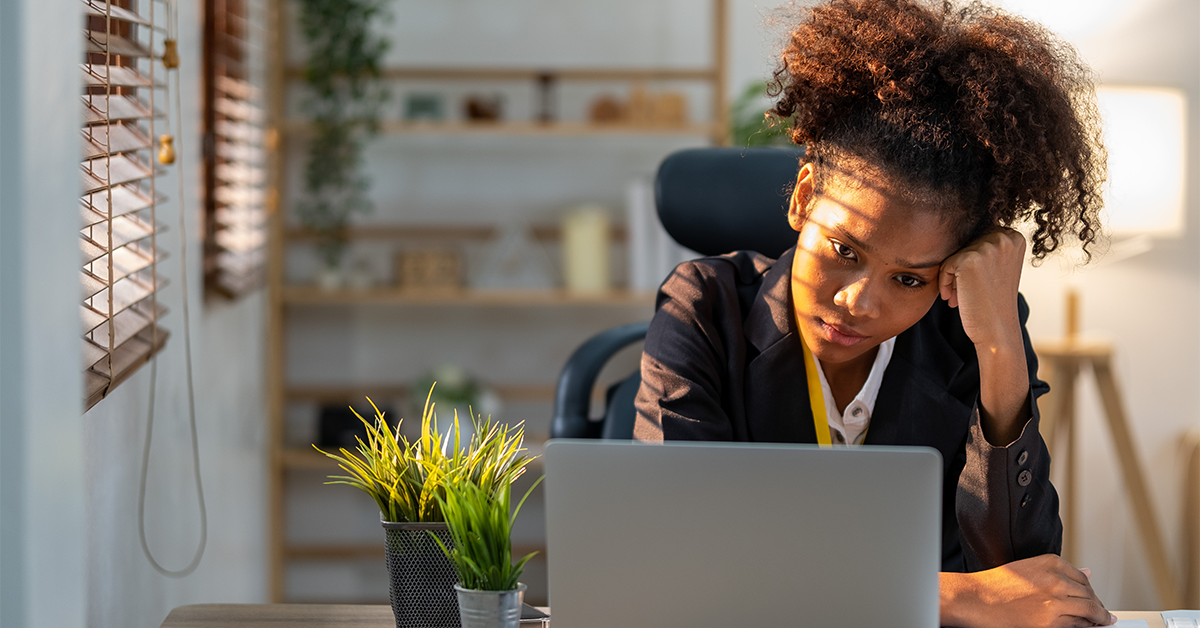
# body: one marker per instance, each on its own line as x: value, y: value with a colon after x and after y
x: 1088, y: 608
x: 946, y: 283
x: 1082, y: 602
x: 1070, y: 621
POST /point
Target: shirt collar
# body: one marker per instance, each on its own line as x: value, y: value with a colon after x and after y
x: 852, y: 430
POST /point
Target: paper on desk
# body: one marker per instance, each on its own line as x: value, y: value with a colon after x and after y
x: 1131, y: 623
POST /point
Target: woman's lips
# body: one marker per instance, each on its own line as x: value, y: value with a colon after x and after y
x: 841, y: 335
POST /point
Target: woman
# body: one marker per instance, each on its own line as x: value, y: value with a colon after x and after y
x: 930, y: 131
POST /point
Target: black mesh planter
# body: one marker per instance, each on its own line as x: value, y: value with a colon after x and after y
x: 422, y: 578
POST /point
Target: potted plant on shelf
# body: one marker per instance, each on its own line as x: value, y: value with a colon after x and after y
x: 752, y: 125
x: 408, y: 481
x: 489, y: 592
x: 344, y: 97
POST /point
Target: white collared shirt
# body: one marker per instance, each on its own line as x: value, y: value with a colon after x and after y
x: 851, y: 428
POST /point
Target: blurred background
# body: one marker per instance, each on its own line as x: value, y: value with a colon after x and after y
x: 509, y: 131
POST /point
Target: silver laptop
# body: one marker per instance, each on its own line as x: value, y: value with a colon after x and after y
x: 721, y: 535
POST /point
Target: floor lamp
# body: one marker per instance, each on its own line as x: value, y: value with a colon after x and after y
x: 1061, y: 363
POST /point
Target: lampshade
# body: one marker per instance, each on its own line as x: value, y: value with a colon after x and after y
x: 1076, y: 19
x: 1144, y: 132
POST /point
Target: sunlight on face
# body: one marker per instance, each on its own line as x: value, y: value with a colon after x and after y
x: 866, y: 266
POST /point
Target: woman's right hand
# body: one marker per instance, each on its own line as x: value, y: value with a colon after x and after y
x: 1040, y: 592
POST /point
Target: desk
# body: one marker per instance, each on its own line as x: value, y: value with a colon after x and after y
x: 290, y: 615
x: 350, y: 616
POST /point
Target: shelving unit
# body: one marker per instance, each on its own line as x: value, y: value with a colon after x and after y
x: 289, y: 461
x: 301, y: 295
x: 715, y: 129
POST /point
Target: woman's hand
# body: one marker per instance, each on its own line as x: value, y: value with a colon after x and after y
x: 1040, y: 592
x: 981, y: 280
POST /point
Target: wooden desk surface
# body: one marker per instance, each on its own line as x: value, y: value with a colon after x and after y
x: 276, y: 615
x: 358, y: 616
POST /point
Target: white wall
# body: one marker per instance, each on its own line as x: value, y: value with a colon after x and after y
x: 68, y: 528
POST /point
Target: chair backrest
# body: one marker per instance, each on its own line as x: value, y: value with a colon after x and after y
x: 710, y: 200
x: 716, y: 200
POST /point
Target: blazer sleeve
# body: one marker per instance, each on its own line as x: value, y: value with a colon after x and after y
x: 1006, y: 507
x: 684, y: 360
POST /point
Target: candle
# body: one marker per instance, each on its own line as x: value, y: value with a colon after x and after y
x: 585, y: 249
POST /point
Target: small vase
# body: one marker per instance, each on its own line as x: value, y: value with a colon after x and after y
x: 490, y: 609
x: 329, y: 278
x: 422, y: 577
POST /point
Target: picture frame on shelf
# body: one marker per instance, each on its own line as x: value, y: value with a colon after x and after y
x: 516, y: 261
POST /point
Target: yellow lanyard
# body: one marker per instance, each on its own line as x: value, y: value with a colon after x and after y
x: 816, y: 397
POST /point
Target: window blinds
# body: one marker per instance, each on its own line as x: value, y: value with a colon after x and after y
x: 235, y: 177
x: 120, y: 254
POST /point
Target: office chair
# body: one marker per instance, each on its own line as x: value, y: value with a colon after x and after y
x: 712, y: 201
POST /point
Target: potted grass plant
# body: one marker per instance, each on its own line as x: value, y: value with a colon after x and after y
x: 409, y: 482
x: 489, y: 592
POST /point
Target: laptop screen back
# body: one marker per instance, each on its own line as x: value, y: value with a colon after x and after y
x: 720, y: 534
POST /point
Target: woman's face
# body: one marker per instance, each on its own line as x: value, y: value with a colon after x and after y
x: 866, y: 264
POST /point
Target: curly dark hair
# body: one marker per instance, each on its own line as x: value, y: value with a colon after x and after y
x: 987, y: 111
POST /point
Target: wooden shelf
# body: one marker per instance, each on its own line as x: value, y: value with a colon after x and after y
x: 435, y: 73
x: 313, y: 460
x: 540, y: 233
x: 369, y: 550
x: 400, y: 232
x: 526, y: 128
x: 335, y: 393
x: 1081, y: 348
x: 334, y: 552
x: 306, y: 459
x: 311, y: 295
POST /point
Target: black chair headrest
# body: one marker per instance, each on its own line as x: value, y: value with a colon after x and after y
x: 716, y: 200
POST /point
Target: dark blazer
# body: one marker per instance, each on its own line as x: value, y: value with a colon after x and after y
x: 723, y: 362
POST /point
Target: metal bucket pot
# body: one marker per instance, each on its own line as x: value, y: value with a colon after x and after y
x: 422, y: 578
x: 490, y: 609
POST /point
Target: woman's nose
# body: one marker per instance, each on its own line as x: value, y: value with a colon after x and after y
x: 857, y: 298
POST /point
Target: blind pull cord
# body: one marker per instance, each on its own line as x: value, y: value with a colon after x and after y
x: 171, y: 61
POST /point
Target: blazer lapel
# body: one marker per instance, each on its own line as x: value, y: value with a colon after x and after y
x: 916, y: 403
x: 776, y: 392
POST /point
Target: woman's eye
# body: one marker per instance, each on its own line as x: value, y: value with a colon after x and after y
x: 842, y: 250
x: 908, y: 281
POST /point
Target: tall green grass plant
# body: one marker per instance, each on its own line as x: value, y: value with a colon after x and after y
x: 408, y: 480
x: 481, y: 528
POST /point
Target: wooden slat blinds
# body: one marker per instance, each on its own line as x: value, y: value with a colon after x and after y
x: 118, y: 238
x: 235, y: 177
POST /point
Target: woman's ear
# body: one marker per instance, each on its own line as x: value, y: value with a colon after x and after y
x: 801, y: 196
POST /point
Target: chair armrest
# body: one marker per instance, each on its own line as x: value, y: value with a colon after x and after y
x: 573, y: 395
